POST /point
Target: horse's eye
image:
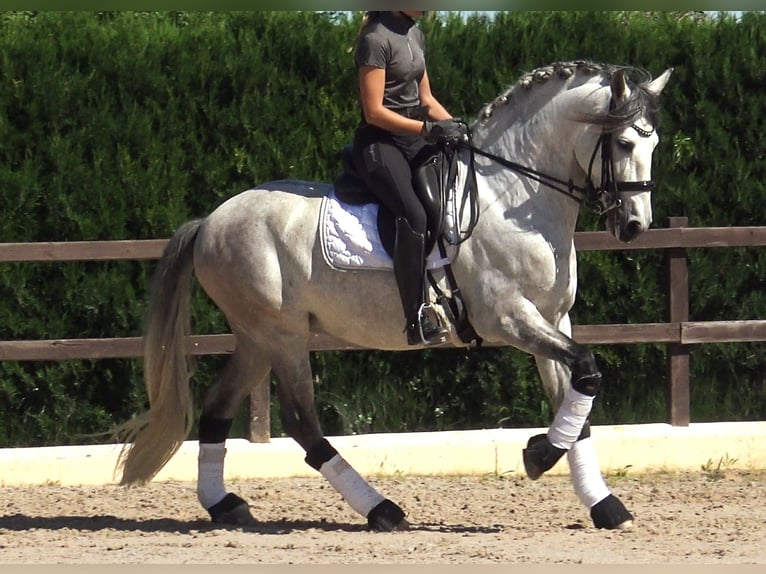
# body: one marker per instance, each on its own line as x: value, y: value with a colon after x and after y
x: 625, y: 145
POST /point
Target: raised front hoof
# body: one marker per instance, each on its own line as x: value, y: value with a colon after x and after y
x: 611, y: 514
x: 540, y: 456
x: 387, y: 517
x: 231, y: 510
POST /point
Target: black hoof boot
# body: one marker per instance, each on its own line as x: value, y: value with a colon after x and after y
x: 387, y: 517
x: 231, y: 510
x: 540, y: 456
x: 611, y: 514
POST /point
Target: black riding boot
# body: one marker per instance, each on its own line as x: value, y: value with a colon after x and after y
x: 409, y: 269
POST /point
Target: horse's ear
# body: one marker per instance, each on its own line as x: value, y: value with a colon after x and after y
x: 656, y: 86
x: 619, y: 86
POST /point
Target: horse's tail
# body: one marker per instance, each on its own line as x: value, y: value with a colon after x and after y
x: 153, y: 437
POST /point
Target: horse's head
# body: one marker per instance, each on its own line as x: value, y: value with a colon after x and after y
x: 620, y: 166
x: 585, y: 131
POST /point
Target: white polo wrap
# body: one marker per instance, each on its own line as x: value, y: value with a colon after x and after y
x: 570, y: 419
x: 210, y: 489
x: 586, y: 476
x: 352, y: 487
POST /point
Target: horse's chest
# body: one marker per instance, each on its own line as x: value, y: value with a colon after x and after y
x: 551, y: 271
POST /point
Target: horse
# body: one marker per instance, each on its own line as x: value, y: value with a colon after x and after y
x: 564, y: 135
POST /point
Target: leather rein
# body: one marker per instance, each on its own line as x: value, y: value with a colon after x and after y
x: 602, y: 198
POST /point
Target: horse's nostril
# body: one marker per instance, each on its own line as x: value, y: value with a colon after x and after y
x: 632, y: 230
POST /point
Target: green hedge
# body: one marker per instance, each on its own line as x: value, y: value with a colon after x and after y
x: 122, y: 125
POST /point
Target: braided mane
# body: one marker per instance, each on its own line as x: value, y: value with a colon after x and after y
x: 640, y: 103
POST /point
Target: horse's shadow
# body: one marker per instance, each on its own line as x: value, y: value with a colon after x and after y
x: 22, y: 522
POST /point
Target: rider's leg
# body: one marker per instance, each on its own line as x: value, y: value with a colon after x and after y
x: 409, y: 262
x: 387, y: 173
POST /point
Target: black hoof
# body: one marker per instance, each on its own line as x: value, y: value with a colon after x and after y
x: 387, y: 517
x: 611, y: 513
x: 231, y: 510
x: 540, y: 456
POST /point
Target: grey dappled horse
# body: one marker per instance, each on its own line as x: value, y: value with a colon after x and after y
x: 562, y: 135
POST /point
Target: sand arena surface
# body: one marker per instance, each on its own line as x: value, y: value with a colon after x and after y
x: 704, y: 517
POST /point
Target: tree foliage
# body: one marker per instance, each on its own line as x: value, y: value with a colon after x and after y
x: 123, y: 125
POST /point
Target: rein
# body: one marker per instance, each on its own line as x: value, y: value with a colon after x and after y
x: 601, y: 199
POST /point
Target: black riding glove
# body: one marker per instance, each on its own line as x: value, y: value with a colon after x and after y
x: 448, y: 132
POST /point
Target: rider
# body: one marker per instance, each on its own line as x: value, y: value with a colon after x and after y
x: 400, y: 115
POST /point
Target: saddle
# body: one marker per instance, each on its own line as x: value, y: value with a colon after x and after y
x: 433, y: 176
x: 430, y: 180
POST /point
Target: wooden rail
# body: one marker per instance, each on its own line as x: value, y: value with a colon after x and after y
x: 678, y: 333
x: 683, y: 333
x: 675, y: 236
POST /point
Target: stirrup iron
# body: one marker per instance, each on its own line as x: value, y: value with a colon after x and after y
x: 436, y: 334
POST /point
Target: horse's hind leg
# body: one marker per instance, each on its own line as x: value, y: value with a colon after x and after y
x: 295, y: 389
x: 246, y: 368
x: 606, y: 510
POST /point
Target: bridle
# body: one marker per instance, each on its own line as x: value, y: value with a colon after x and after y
x: 602, y: 198
x: 606, y: 197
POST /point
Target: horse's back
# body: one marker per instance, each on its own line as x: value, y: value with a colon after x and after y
x: 273, y: 205
x: 285, y: 211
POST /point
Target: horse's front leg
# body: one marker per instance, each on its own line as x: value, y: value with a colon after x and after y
x: 572, y: 383
x: 572, y: 380
x: 521, y: 325
x: 295, y: 389
x: 606, y: 510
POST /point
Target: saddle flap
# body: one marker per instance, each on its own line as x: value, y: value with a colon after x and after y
x: 430, y: 187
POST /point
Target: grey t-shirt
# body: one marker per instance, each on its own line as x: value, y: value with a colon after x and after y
x: 395, y: 44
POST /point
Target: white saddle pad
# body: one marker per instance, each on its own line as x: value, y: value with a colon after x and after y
x: 350, y: 239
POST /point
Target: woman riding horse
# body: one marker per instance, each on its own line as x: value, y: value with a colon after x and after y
x: 399, y: 116
x: 260, y: 257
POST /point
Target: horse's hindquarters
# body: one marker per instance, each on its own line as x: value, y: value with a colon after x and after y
x: 253, y: 253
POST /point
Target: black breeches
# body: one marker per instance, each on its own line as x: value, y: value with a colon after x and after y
x: 383, y: 161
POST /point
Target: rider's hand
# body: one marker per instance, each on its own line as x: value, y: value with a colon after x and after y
x: 448, y: 132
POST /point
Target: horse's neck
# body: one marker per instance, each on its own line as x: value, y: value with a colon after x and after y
x: 528, y: 136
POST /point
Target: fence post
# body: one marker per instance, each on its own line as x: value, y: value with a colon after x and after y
x: 678, y: 400
x: 260, y: 413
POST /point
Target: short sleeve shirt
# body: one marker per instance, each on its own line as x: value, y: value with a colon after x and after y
x: 396, y: 45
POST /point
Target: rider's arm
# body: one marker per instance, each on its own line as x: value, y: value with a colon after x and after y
x: 436, y: 111
x: 372, y: 82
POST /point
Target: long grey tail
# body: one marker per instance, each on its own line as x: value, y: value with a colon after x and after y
x: 153, y: 437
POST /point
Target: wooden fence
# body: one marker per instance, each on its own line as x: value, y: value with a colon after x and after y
x: 679, y: 334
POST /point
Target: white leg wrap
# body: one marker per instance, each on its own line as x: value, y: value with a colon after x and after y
x: 352, y: 487
x: 586, y: 476
x: 210, y: 489
x: 570, y: 418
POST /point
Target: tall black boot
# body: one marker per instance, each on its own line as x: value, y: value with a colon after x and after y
x: 409, y: 269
